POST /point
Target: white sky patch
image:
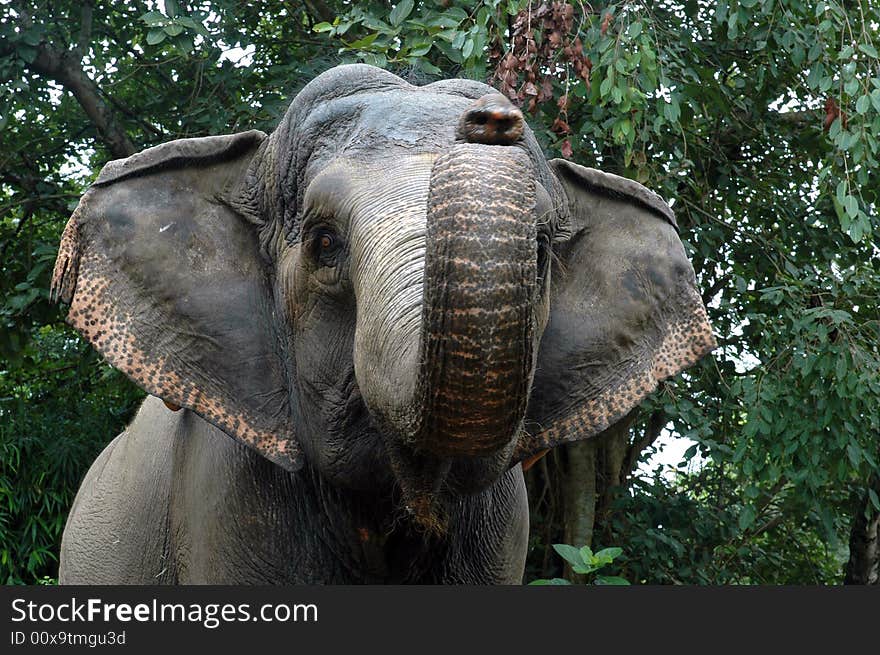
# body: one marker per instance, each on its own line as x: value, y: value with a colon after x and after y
x: 240, y: 57
x: 669, y: 454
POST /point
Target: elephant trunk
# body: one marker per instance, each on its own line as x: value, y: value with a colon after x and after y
x: 477, y: 330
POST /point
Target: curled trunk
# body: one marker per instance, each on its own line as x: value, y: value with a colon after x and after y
x: 476, y: 354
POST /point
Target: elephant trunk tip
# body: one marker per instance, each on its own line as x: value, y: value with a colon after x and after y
x: 491, y: 120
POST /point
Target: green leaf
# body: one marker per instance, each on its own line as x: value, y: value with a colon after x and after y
x: 875, y: 501
x: 817, y: 72
x: 868, y: 49
x: 322, y: 27
x: 854, y: 453
x: 570, y: 554
x: 364, y: 42
x: 852, y: 206
x: 841, y: 192
x: 672, y: 111
x: 184, y: 43
x: 428, y: 67
x: 732, y: 27
x: 551, y: 581
x: 171, y: 8
x: 862, y: 104
x: 420, y: 49
x: 400, y: 12
x: 634, y: 29
x: 747, y: 517
x: 153, y: 18
x: 584, y: 569
x: 468, y: 48
x: 608, y: 555
x: 615, y: 580
x: 456, y: 13
x: 173, y: 30
x: 155, y: 36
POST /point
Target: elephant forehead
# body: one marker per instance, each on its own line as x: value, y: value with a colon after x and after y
x: 379, y: 122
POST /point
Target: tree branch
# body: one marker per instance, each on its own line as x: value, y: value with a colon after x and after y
x: 85, y: 28
x: 65, y: 69
x: 652, y: 431
x: 319, y: 11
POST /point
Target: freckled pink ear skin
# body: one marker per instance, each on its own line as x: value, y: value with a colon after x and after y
x: 624, y: 311
x: 166, y: 281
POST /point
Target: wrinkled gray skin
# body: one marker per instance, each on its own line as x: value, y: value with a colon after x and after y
x: 360, y: 301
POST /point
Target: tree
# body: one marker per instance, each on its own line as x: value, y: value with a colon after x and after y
x: 758, y: 119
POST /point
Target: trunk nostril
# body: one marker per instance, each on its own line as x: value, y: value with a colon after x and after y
x: 492, y: 120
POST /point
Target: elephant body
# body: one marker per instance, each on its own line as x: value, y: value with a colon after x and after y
x: 174, y: 500
x: 365, y: 322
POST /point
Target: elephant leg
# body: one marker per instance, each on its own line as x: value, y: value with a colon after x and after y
x: 116, y: 532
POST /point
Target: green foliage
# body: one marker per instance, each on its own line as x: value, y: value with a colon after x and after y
x: 586, y: 563
x: 688, y: 532
x: 58, y: 407
x: 450, y: 37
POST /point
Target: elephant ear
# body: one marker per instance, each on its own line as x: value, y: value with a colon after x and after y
x: 166, y: 281
x: 624, y: 310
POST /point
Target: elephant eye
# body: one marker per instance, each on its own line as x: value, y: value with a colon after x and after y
x: 325, y: 246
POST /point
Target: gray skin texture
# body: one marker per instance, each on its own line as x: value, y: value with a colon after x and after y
x: 370, y: 318
x: 236, y: 518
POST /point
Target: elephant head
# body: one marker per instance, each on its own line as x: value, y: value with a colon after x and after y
x: 395, y: 286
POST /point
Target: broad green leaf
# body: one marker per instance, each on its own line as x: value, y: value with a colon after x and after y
x: 746, y: 517
x: 364, y: 42
x: 155, y: 36
x: 615, y: 580
x: 868, y: 49
x: 400, y: 12
x: 570, y: 554
x: 584, y: 569
x: 153, y: 18
x: 468, y: 48
x: 608, y: 555
x: 551, y: 581
x: 420, y: 49
x: 184, y: 43
x: 852, y: 206
x: 875, y: 501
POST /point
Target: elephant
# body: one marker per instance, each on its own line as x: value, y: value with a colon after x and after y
x: 356, y: 332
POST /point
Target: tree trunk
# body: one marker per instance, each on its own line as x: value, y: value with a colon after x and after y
x: 570, y: 494
x: 863, y: 566
x: 579, y: 492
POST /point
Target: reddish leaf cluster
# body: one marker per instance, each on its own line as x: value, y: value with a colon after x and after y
x: 832, y: 111
x: 544, y: 46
